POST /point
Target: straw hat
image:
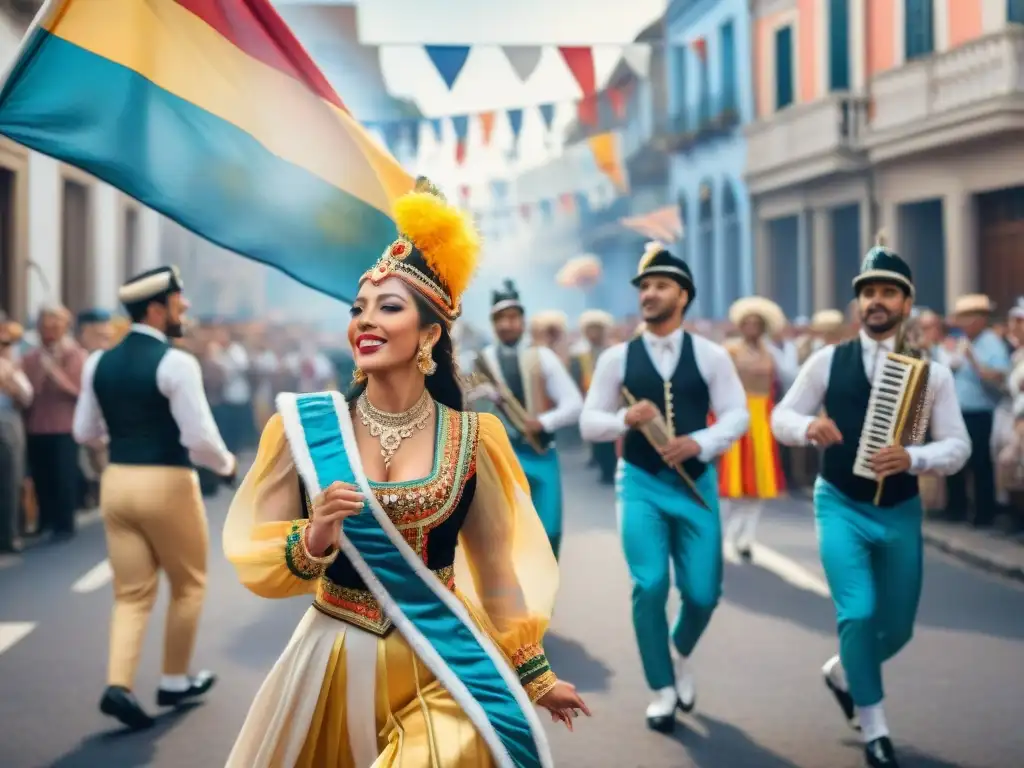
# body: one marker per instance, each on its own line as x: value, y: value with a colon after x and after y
x: 1017, y: 310
x: 551, y: 319
x: 773, y: 316
x: 973, y: 303
x: 596, y: 317
x: 828, y: 320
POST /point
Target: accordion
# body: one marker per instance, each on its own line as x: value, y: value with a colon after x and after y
x: 897, y: 410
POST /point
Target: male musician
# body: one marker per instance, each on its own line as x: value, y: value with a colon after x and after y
x: 684, y: 377
x: 872, y: 555
x: 595, y: 327
x: 534, y: 379
x: 148, y: 398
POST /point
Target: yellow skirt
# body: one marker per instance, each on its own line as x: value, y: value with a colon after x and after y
x: 751, y: 468
x: 341, y: 697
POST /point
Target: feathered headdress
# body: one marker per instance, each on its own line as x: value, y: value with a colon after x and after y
x: 436, y: 250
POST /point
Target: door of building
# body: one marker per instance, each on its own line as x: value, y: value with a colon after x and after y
x: 1001, y: 247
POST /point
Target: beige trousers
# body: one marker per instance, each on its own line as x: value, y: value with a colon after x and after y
x: 155, y: 520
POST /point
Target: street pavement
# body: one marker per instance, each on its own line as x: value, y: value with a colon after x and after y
x: 955, y: 695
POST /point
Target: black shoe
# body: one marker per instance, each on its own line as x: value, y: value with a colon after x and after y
x: 880, y: 754
x: 121, y: 704
x: 198, y: 685
x: 845, y: 702
x: 746, y: 554
x: 662, y: 723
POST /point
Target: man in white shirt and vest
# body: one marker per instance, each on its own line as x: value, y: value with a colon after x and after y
x: 535, y: 378
x: 661, y: 521
x: 872, y: 553
x: 146, y: 399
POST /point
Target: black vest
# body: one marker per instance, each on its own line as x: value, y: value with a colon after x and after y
x: 139, y: 420
x: 846, y: 403
x: 512, y: 373
x: 691, y: 402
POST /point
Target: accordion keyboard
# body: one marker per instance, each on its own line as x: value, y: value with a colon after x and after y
x: 888, y: 393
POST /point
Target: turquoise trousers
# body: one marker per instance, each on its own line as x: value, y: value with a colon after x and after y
x: 873, y: 561
x: 660, y: 523
x: 545, y: 477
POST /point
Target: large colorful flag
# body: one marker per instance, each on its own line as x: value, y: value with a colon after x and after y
x: 210, y: 112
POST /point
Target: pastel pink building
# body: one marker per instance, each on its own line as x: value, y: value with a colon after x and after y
x: 902, y: 114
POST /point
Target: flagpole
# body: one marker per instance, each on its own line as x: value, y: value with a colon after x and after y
x: 37, y: 21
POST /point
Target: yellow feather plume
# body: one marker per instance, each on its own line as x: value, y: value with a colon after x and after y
x: 651, y: 250
x: 444, y: 235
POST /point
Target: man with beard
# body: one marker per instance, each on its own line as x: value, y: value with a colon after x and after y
x: 535, y: 379
x: 683, y: 377
x: 872, y: 553
x: 146, y: 398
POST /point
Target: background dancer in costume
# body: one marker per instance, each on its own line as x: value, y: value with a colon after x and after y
x: 147, y: 398
x: 539, y: 384
x: 595, y: 327
x: 872, y: 554
x: 684, y: 377
x: 348, y: 691
x: 751, y: 470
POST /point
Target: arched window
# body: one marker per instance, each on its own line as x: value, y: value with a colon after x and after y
x: 732, y: 250
x: 706, y: 275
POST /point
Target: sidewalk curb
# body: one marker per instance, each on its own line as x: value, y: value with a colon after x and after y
x: 985, y: 561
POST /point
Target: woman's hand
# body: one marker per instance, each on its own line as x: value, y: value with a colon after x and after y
x: 338, y: 501
x: 563, y: 703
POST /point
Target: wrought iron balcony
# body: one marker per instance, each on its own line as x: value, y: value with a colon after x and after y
x: 805, y: 142
x: 971, y: 91
x: 711, y: 116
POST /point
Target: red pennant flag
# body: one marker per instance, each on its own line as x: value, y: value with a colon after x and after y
x: 586, y: 110
x: 464, y: 192
x: 617, y: 99
x: 524, y: 211
x: 581, y: 63
x: 487, y: 126
x: 460, y: 151
x: 700, y: 47
x: 568, y: 201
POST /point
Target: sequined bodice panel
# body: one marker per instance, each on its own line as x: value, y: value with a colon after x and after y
x: 429, y: 514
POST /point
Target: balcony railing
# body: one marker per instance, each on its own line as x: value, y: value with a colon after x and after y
x: 712, y: 115
x: 806, y: 140
x: 923, y: 93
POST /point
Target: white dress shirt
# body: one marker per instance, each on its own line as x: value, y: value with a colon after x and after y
x: 951, y: 445
x: 603, y: 420
x: 558, y: 384
x: 180, y: 380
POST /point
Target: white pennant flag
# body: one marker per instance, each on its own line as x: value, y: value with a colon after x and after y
x: 638, y: 57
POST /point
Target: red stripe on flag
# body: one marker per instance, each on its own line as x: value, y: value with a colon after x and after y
x: 254, y: 27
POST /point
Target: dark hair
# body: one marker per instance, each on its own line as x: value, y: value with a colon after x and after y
x: 444, y: 385
x: 137, y: 310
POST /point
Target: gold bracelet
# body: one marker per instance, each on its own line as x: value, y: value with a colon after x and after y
x: 539, y: 687
x: 297, y: 556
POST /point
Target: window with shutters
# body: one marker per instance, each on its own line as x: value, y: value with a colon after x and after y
x: 839, y: 45
x: 784, y: 69
x: 918, y: 29
x: 1015, y: 11
x: 728, y: 50
x: 680, y: 96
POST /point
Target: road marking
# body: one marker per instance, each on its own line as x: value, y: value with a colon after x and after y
x: 96, y: 577
x: 13, y: 631
x: 785, y: 568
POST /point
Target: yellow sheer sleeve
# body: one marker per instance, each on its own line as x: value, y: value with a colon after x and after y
x: 505, y: 552
x: 262, y: 537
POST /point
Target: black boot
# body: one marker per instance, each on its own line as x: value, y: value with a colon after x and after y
x: 198, y: 685
x: 880, y: 754
x: 120, y: 703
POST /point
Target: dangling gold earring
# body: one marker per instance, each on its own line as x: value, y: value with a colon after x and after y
x: 358, y: 377
x: 425, y: 360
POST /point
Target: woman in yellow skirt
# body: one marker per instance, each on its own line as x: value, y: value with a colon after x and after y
x: 751, y: 470
x: 410, y: 526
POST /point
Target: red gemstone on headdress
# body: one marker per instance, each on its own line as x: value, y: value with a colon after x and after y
x: 398, y: 249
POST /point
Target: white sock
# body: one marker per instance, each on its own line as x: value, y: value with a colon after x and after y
x: 833, y: 669
x: 872, y: 722
x: 175, y: 683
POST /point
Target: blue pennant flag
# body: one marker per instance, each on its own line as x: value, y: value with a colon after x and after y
x: 461, y: 125
x: 448, y: 60
x: 515, y: 119
x: 547, y: 111
x: 435, y: 125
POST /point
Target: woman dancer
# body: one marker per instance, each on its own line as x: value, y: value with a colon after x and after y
x: 412, y: 516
